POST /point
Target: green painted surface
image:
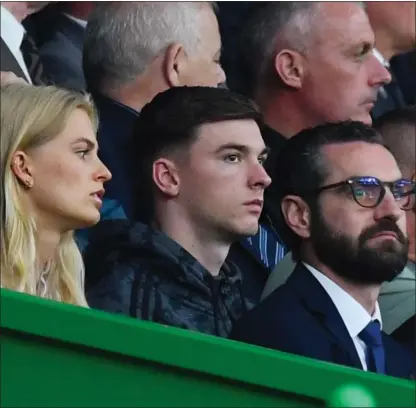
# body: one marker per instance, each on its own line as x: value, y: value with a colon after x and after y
x: 56, y: 355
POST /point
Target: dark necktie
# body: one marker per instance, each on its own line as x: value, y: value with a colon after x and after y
x: 371, y: 336
x: 33, y: 61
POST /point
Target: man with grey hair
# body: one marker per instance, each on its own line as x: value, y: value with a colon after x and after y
x: 311, y: 63
x: 132, y: 52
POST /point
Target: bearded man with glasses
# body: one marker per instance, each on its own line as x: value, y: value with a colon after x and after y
x: 342, y: 201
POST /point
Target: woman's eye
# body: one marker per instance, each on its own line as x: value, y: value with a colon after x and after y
x: 83, y: 153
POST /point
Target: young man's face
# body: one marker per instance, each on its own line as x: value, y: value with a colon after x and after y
x: 222, y: 179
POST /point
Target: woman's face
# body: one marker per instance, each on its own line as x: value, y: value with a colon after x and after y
x: 67, y: 177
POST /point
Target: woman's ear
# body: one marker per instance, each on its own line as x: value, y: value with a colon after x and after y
x: 174, y: 63
x: 21, y: 169
x: 166, y: 177
x: 289, y: 67
x: 297, y: 215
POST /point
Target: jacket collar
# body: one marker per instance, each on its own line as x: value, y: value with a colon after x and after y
x: 320, y: 304
x: 139, y: 241
x: 74, y: 31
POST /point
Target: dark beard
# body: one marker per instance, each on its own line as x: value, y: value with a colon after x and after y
x: 353, y: 259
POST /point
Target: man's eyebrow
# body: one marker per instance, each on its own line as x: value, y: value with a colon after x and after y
x: 232, y: 146
x: 240, y: 148
x: 265, y: 151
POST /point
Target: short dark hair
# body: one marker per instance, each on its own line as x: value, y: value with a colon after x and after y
x: 172, y: 119
x: 398, y: 129
x: 301, y: 167
x: 272, y: 24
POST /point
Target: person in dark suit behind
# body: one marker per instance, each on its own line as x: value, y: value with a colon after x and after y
x: 18, y: 52
x: 398, y: 129
x: 404, y: 67
x: 342, y: 201
x: 62, y: 52
x: 394, y: 29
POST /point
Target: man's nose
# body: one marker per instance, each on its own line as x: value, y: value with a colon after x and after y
x: 379, y: 74
x: 259, y: 177
x: 389, y: 208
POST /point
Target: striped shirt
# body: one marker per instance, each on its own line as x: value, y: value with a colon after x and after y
x: 266, y: 247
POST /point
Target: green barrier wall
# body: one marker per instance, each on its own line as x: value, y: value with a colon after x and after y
x: 56, y: 355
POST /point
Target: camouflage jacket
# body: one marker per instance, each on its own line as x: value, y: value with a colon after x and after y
x: 138, y: 271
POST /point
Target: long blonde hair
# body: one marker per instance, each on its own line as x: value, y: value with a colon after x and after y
x: 30, y: 117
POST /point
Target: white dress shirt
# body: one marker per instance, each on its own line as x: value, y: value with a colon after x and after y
x: 12, y: 33
x: 355, y: 317
x: 82, y: 23
x: 380, y: 58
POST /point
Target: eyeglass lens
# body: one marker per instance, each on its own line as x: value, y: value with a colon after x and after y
x: 369, y: 191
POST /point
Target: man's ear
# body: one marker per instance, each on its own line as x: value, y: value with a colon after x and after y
x: 297, y: 215
x: 21, y: 168
x: 166, y: 177
x: 289, y: 66
x: 175, y: 61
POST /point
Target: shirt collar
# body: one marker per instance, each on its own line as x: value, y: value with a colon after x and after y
x: 355, y: 317
x: 82, y: 23
x: 380, y: 57
x: 12, y: 32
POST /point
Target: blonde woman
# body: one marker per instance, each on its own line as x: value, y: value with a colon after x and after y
x: 51, y: 183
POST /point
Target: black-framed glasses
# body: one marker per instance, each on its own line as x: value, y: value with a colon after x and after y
x: 369, y: 191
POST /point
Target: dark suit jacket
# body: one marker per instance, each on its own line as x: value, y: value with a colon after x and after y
x: 300, y: 318
x: 115, y: 135
x: 406, y: 333
x: 390, y: 97
x: 62, y: 54
x: 404, y: 66
x: 8, y: 62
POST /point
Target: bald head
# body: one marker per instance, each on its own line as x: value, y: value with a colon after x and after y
x: 398, y: 129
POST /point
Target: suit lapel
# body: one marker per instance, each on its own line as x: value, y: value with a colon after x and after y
x: 321, y: 306
x: 73, y: 31
x: 9, y: 62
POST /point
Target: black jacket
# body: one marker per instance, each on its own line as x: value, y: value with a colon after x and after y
x: 138, y: 271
